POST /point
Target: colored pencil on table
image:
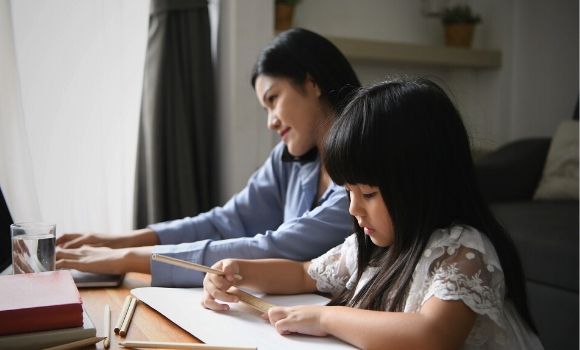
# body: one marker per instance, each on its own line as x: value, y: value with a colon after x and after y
x: 107, y: 330
x: 172, y: 345
x: 77, y: 344
x: 125, y: 327
x: 122, y: 314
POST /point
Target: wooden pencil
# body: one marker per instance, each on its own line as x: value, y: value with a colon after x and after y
x: 253, y: 301
x: 125, y: 327
x: 188, y: 265
x: 107, y: 330
x: 122, y: 314
x: 77, y: 344
x: 172, y: 345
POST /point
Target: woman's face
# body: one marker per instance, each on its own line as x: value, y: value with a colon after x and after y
x: 296, y: 113
x: 369, y: 209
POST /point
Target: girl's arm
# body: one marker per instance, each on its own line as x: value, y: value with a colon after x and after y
x: 273, y: 276
x: 438, y: 325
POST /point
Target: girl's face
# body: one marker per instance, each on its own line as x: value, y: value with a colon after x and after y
x: 367, y: 205
x: 296, y: 113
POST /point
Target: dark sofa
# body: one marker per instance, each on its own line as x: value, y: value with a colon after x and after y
x: 545, y: 233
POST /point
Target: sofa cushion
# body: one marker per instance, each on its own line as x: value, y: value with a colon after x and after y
x: 546, y: 236
x: 560, y: 175
x: 512, y: 172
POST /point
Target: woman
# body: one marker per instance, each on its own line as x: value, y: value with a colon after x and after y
x: 289, y: 209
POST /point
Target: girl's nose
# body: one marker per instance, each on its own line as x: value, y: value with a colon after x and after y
x: 354, y: 209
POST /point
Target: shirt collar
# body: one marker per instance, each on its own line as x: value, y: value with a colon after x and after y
x: 309, y: 156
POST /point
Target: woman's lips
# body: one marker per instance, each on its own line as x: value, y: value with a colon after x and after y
x: 369, y: 231
x: 284, y: 132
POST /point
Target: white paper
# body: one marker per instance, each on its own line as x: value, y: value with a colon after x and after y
x: 240, y: 326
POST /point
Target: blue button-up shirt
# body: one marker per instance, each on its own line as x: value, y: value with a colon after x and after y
x: 272, y: 217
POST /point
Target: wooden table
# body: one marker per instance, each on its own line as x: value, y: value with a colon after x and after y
x: 147, y: 324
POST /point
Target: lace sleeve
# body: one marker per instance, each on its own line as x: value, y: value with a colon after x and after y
x: 461, y: 264
x: 333, y: 269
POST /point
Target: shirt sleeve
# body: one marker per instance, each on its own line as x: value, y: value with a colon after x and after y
x: 461, y: 264
x: 335, y: 268
x: 235, y: 235
x: 264, y: 193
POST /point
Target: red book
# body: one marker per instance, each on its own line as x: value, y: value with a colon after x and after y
x: 39, y: 301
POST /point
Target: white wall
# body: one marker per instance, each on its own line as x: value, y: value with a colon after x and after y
x: 535, y: 88
x: 245, y: 28
x: 545, y: 65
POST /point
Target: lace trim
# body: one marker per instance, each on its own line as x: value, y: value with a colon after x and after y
x: 449, y: 283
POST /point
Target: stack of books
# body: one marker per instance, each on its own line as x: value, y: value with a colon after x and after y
x: 40, y: 310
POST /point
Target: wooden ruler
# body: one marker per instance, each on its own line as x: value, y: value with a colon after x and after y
x: 253, y: 301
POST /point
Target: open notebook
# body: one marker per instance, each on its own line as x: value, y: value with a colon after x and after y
x: 241, y: 326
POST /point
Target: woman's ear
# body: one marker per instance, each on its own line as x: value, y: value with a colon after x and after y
x: 310, y: 85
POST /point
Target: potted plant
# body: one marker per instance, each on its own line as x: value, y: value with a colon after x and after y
x: 284, y: 14
x: 459, y: 22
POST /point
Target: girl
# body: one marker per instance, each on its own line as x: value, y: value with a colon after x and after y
x: 289, y: 209
x: 428, y: 266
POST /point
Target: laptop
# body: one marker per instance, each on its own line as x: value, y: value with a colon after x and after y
x: 82, y: 279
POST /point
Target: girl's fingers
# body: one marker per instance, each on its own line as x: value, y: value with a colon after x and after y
x: 211, y: 304
x: 275, y: 314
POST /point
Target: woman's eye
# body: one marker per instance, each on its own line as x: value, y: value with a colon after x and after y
x: 369, y: 195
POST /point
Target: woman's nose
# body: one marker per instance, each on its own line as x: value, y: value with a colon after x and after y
x: 273, y: 121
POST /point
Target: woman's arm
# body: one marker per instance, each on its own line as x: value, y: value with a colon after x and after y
x: 273, y: 276
x: 438, y: 325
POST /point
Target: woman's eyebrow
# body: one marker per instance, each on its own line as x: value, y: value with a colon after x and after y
x: 268, y: 88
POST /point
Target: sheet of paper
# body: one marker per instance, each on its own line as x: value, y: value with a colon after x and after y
x: 241, y: 326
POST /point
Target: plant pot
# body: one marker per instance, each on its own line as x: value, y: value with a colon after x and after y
x: 459, y: 34
x: 284, y: 16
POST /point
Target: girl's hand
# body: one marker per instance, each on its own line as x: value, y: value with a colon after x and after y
x: 216, y: 286
x: 303, y: 319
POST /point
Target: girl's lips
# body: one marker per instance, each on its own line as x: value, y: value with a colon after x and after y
x: 369, y: 231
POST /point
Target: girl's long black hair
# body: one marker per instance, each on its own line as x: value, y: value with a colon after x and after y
x: 298, y: 53
x: 406, y: 137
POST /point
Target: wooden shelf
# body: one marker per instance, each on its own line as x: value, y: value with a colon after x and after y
x: 439, y: 56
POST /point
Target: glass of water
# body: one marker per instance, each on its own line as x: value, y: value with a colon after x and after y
x: 33, y: 247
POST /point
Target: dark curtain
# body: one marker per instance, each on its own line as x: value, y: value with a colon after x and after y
x: 176, y: 152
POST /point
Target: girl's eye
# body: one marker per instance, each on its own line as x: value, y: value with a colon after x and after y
x: 369, y: 195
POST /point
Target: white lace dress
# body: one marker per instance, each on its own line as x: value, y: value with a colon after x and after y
x: 458, y: 264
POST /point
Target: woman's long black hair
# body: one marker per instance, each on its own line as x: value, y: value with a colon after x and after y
x: 299, y: 53
x: 406, y: 137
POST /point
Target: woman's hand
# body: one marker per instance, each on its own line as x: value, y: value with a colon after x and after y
x: 137, y: 238
x: 104, y: 260
x: 76, y: 240
x: 303, y: 319
x: 216, y: 286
